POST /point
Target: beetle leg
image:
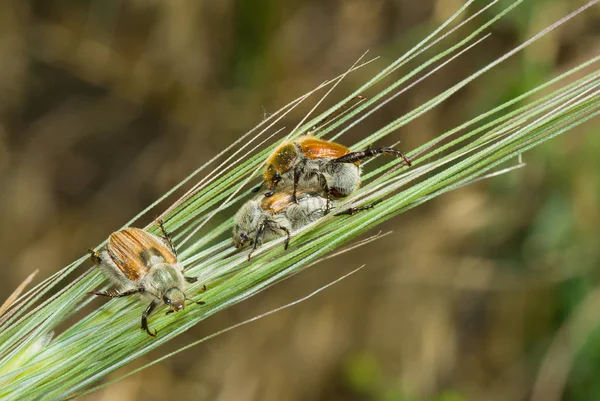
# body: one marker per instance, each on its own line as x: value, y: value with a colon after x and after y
x: 117, y: 294
x: 353, y: 210
x: 261, y: 232
x: 368, y: 152
x: 197, y: 302
x: 327, y: 191
x: 145, y: 315
x: 188, y: 299
x: 167, y: 236
x: 284, y: 229
x: 272, y: 184
x: 287, y: 239
x: 297, y: 173
x: 259, y: 235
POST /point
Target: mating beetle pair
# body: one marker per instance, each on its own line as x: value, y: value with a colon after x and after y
x: 302, y: 177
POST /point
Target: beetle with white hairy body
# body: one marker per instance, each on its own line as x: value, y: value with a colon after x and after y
x: 263, y: 219
x: 142, y: 263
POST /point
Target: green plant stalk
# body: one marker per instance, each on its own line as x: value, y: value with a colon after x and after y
x: 32, y: 367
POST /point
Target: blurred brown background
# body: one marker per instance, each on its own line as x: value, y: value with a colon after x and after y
x: 107, y: 104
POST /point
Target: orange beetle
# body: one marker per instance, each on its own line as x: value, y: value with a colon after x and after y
x: 142, y: 263
x: 308, y: 162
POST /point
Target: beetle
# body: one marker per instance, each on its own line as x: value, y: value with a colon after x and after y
x: 308, y: 161
x: 263, y: 219
x: 142, y: 263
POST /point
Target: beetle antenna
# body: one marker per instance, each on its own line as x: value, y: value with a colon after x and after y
x: 196, y: 302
